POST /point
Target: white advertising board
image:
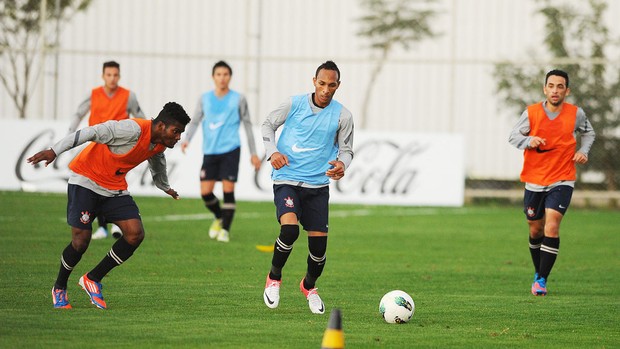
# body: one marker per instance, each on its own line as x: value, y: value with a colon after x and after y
x: 389, y: 168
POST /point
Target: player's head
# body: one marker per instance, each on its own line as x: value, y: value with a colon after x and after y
x: 556, y: 87
x: 221, y: 74
x: 169, y: 124
x: 111, y: 74
x: 326, y: 81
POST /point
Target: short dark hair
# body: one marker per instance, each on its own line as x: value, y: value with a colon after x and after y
x: 111, y: 64
x: 172, y: 113
x: 221, y: 64
x: 557, y: 72
x: 329, y: 65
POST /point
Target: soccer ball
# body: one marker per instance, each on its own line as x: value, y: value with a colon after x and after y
x: 396, y: 307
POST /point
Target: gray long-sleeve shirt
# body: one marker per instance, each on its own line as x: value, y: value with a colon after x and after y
x: 120, y: 136
x: 133, y: 109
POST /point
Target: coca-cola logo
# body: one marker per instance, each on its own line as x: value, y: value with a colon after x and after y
x: 383, y: 167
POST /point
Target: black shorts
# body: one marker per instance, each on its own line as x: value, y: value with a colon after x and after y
x: 311, y: 205
x: 535, y: 203
x: 84, y: 205
x: 221, y: 166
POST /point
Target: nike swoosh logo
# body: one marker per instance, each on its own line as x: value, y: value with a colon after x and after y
x: 216, y: 125
x: 268, y: 300
x: 538, y: 150
x: 297, y: 149
x: 562, y: 206
x: 322, y: 308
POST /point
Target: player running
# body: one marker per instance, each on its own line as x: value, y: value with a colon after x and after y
x: 316, y: 145
x: 547, y: 133
x: 97, y: 185
x: 220, y: 111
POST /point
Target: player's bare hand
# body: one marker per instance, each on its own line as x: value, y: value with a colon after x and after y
x: 337, y: 171
x: 47, y: 155
x: 173, y: 193
x: 184, y: 146
x: 535, y: 142
x: 580, y: 158
x: 255, y: 162
x: 278, y: 160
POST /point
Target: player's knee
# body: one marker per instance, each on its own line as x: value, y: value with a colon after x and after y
x: 229, y: 198
x: 289, y: 234
x: 134, y: 240
x: 209, y: 198
x: 317, y: 245
x: 80, y: 239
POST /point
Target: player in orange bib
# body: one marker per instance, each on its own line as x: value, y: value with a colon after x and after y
x: 97, y: 185
x: 547, y: 132
x: 107, y: 102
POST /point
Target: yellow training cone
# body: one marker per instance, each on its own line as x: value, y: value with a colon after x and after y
x: 333, y: 337
x: 265, y: 248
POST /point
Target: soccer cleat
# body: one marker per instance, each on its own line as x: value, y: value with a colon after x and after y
x: 60, y: 298
x: 223, y: 236
x: 117, y: 233
x: 216, y: 227
x: 271, y: 296
x: 93, y: 289
x: 100, y: 233
x: 314, y: 300
x: 539, y: 287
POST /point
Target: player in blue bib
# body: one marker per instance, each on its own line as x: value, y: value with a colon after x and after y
x: 315, y: 145
x: 220, y: 112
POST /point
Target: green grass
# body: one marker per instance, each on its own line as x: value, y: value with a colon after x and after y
x: 467, y: 269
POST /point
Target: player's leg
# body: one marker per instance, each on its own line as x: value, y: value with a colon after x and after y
x: 287, y: 206
x: 123, y: 211
x: 81, y: 208
x: 314, y: 219
x: 557, y: 202
x: 228, y: 172
x: 534, y: 209
x: 208, y: 177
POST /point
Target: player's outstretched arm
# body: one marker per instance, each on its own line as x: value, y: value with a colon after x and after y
x: 47, y: 155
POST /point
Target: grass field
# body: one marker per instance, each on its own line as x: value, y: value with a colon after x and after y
x: 468, y: 270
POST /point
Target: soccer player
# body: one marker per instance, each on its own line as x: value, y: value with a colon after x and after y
x: 219, y: 112
x: 316, y: 145
x: 547, y: 133
x: 97, y: 185
x: 107, y: 102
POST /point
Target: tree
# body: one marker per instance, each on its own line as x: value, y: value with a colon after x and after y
x: 20, y: 40
x: 389, y: 23
x: 577, y: 40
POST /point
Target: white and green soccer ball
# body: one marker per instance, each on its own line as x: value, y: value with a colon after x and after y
x: 396, y: 307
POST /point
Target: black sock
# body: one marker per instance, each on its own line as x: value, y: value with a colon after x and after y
x: 317, y: 246
x: 213, y: 204
x: 548, y: 253
x: 228, y: 210
x: 535, y: 252
x: 282, y: 249
x: 119, y: 253
x: 68, y: 260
